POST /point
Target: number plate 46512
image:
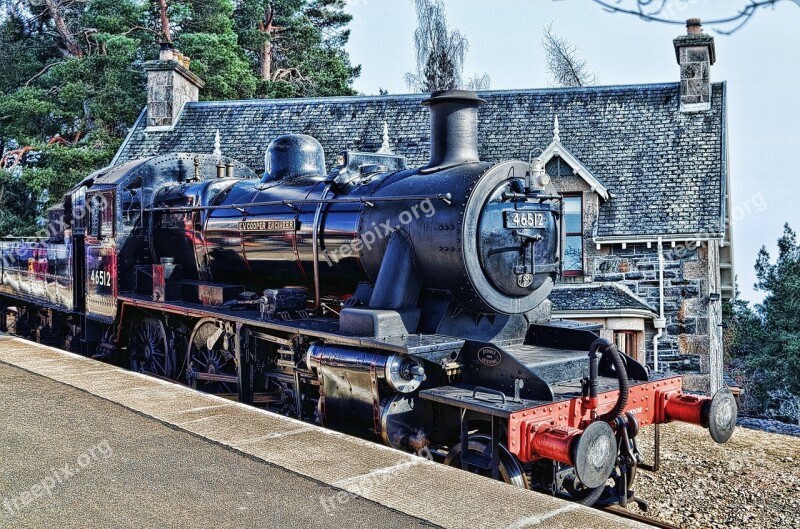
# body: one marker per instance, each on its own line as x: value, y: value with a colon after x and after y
x: 524, y: 219
x: 100, y: 278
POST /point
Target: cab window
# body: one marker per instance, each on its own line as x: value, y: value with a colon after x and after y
x: 101, y: 215
x: 131, y: 204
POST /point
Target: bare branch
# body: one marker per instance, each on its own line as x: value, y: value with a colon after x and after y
x: 563, y: 62
x: 479, y: 82
x: 141, y: 28
x: 657, y: 11
x: 42, y: 72
x: 90, y: 40
x: 289, y: 75
x: 440, y: 53
x: 17, y: 155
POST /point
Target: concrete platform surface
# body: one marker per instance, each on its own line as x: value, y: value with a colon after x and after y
x: 84, y: 444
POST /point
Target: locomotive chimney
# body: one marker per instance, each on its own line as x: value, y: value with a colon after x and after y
x: 454, y: 128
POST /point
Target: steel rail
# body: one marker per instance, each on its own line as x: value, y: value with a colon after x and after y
x: 622, y: 513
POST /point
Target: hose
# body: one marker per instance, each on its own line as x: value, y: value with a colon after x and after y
x: 593, y: 496
x: 610, y: 352
x: 587, y: 497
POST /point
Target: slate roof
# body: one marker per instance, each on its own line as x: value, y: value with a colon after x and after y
x: 665, y: 169
x: 606, y: 297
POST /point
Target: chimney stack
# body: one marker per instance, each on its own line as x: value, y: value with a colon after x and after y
x: 695, y: 53
x: 454, y: 128
x: 170, y: 85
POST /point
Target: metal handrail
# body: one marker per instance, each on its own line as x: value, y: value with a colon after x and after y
x: 447, y: 198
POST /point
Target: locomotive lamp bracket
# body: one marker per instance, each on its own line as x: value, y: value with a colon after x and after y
x: 536, y: 177
x: 518, y: 384
x: 536, y: 194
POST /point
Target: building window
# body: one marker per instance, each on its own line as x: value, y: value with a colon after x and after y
x: 626, y: 342
x: 573, y: 239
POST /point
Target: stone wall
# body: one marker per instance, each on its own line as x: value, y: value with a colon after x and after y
x: 169, y: 87
x: 696, y: 53
x: 685, y: 342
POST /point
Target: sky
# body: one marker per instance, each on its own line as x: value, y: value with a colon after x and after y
x: 760, y: 62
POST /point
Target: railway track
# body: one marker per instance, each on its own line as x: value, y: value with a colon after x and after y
x: 617, y: 511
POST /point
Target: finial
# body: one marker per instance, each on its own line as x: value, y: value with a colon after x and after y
x: 556, y: 131
x: 386, y: 148
x: 217, y: 148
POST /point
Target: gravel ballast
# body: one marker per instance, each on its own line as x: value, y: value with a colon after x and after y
x: 753, y: 481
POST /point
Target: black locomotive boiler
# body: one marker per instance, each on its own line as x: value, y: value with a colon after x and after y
x: 403, y: 305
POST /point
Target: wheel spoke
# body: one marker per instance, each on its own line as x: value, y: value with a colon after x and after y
x: 147, y: 348
x: 158, y: 367
x: 201, y: 361
x: 204, y: 360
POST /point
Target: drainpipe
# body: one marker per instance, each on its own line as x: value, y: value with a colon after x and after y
x: 659, y: 323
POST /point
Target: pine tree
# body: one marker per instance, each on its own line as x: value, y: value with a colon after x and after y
x: 73, y: 81
x: 780, y: 310
x: 206, y: 35
x: 64, y: 101
x: 765, y: 344
x: 297, y: 46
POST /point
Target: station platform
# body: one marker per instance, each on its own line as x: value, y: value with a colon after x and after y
x: 85, y: 444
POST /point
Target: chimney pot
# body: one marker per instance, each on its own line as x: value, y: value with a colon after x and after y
x: 693, y: 26
x: 167, y: 52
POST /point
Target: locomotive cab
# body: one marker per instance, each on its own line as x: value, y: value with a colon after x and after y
x: 111, y: 211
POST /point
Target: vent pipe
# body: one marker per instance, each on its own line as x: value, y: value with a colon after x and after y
x: 454, y: 128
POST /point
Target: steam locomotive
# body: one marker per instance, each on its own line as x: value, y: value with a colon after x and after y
x: 408, y: 306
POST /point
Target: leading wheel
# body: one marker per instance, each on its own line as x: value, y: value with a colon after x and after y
x: 511, y: 471
x: 211, y: 361
x: 149, y: 348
